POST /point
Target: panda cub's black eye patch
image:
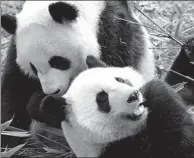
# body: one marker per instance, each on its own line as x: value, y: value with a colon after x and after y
x: 103, y: 102
x: 60, y: 63
x: 33, y: 68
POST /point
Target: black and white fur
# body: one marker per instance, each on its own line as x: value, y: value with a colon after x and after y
x: 108, y: 117
x: 51, y: 40
x: 184, y: 64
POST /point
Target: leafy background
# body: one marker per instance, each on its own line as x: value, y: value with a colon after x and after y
x: 175, y: 17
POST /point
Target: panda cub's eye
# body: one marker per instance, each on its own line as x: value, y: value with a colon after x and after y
x: 127, y: 82
x: 119, y: 79
x: 60, y: 63
x: 33, y: 68
x: 103, y: 102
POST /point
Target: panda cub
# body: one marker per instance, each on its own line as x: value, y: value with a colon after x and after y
x: 51, y: 40
x: 112, y: 112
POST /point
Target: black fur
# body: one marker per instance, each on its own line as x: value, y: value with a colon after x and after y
x: 62, y: 11
x: 93, y: 62
x: 40, y: 115
x: 35, y: 71
x: 60, y: 63
x: 122, y: 43
x: 56, y: 107
x: 103, y: 102
x: 16, y: 90
x: 169, y: 132
x: 9, y: 23
x: 182, y: 65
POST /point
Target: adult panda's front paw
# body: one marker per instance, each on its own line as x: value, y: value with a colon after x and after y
x: 39, y: 114
x: 167, y: 111
x: 159, y: 95
x: 55, y: 109
x: 33, y: 106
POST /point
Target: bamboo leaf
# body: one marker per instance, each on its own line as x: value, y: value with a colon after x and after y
x: 16, y: 134
x: 5, y: 125
x: 6, y: 149
x: 12, y: 151
x: 52, y: 151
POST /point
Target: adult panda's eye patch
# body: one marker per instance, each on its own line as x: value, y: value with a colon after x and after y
x: 60, y: 63
x: 33, y: 68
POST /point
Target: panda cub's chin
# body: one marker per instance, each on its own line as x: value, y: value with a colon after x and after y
x: 139, y: 110
x: 136, y: 115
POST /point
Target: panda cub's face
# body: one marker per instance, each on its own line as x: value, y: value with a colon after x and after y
x: 53, y: 39
x: 105, y: 104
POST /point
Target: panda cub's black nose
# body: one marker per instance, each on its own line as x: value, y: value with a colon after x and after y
x: 133, y: 97
x: 57, y: 92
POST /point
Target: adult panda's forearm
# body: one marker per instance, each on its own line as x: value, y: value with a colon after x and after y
x: 36, y: 112
x: 170, y: 126
x: 16, y: 89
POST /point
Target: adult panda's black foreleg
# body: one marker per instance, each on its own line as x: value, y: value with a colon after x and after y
x: 170, y: 126
x: 51, y: 115
x: 16, y: 90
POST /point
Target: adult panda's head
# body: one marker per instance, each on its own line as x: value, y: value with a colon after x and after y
x: 53, y: 39
x: 102, y: 104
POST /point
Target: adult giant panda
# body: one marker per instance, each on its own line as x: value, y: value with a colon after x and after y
x: 107, y: 113
x: 51, y: 40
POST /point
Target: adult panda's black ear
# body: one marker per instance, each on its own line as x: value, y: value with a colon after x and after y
x: 93, y: 62
x: 9, y: 23
x: 63, y: 11
x: 55, y: 106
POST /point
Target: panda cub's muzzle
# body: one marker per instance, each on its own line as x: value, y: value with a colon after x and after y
x: 138, y: 111
x: 133, y: 97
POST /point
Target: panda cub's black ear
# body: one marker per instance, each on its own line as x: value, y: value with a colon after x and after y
x: 62, y: 11
x: 55, y: 106
x: 9, y: 23
x: 93, y: 62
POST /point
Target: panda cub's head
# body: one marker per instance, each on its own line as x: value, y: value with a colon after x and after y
x: 103, y: 104
x: 52, y: 40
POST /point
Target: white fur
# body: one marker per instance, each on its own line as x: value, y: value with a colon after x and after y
x: 39, y: 37
x: 89, y: 125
